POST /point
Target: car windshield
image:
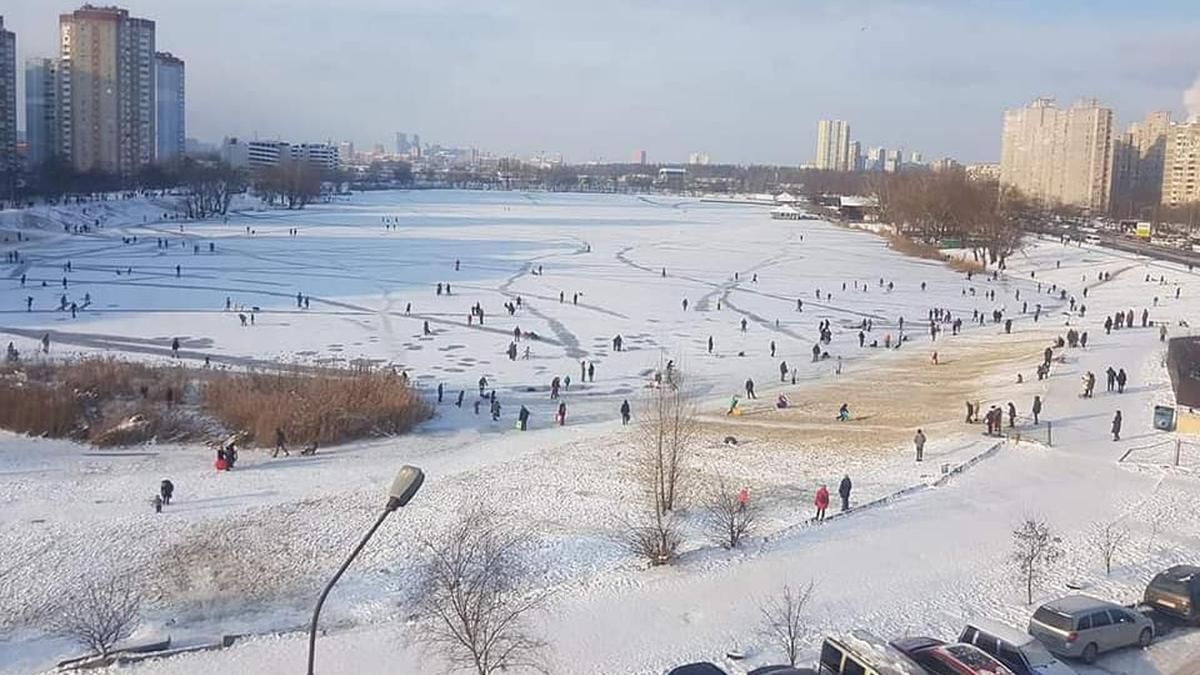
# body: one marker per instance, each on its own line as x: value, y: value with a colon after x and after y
x: 1170, y: 585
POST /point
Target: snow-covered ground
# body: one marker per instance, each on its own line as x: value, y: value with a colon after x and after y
x: 246, y: 551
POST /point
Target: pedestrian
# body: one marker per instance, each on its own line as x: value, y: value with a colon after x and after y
x: 821, y: 501
x: 591, y: 371
x: 280, y: 443
x: 743, y: 325
x: 461, y: 394
x: 1111, y: 376
x: 710, y: 344
x: 783, y: 371
x: 175, y: 347
x: 750, y: 388
x: 1012, y: 415
x: 625, y: 412
x: 483, y: 382
x: 562, y: 413
x: 439, y: 392
x: 523, y: 418
x: 1121, y: 378
x: 919, y: 442
x: 772, y: 349
x: 970, y: 412
x: 1116, y: 426
x: 1037, y: 408
x: 844, y: 491
x: 165, y: 489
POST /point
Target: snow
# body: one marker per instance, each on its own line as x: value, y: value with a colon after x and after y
x: 246, y: 551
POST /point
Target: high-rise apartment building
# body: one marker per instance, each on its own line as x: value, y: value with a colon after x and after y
x: 876, y: 157
x: 1059, y: 156
x: 42, y: 126
x: 401, y: 142
x: 8, y: 99
x: 1138, y: 157
x: 107, y: 89
x: 170, y: 102
x: 1181, y: 165
x: 854, y: 163
x: 833, y: 145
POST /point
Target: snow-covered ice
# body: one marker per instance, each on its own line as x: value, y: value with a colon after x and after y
x: 261, y: 539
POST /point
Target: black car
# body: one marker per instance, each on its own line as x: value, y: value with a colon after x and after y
x: 1176, y: 592
x: 701, y: 668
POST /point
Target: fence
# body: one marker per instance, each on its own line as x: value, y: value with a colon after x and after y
x: 1167, y: 452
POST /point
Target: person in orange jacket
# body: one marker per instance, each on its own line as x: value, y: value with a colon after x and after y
x: 821, y: 501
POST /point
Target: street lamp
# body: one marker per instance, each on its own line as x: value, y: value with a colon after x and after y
x: 408, y: 480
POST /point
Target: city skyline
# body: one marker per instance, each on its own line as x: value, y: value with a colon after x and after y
x: 474, y: 75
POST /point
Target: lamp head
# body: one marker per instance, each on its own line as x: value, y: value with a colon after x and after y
x: 406, y: 483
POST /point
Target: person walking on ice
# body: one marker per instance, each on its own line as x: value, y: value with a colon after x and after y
x: 175, y: 347
x: 1116, y: 426
x: 750, y: 388
x: 844, y: 491
x: 919, y: 443
x: 280, y: 443
x: 561, y: 416
x: 783, y: 371
x: 165, y: 489
x: 523, y: 419
x: 625, y: 412
x: 821, y: 501
x: 1037, y: 408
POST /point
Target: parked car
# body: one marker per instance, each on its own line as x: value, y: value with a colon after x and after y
x: 864, y: 654
x: 940, y: 658
x: 1176, y: 591
x: 699, y: 668
x: 1020, y: 651
x: 1083, y: 627
x: 782, y: 670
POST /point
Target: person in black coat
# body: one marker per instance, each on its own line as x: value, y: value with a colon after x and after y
x: 844, y: 491
x: 165, y: 489
x: 1116, y: 426
x: 625, y: 412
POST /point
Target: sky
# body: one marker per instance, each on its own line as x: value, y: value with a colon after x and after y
x: 744, y: 81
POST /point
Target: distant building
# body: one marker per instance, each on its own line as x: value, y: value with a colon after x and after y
x: 639, y: 157
x: 672, y: 178
x: 257, y: 154
x: 915, y: 158
x: 1181, y: 166
x: 833, y: 145
x: 42, y: 126
x: 8, y: 100
x: 1059, y: 156
x: 107, y: 89
x: 855, y: 160
x: 401, y: 143
x: 985, y: 173
x: 945, y: 164
x: 875, y: 159
x: 893, y: 160
x: 346, y: 151
x: 698, y: 158
x: 172, y: 120
x: 1139, y: 155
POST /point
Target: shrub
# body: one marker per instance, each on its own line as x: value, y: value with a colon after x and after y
x: 326, y: 408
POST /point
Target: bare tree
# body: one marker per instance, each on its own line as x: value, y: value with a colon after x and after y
x: 474, y: 588
x: 667, y: 429
x: 783, y: 619
x: 1035, y: 549
x: 97, y: 615
x: 1108, y: 538
x: 726, y: 517
x: 655, y: 539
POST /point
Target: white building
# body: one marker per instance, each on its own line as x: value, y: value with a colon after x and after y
x: 255, y: 154
x: 833, y: 145
x: 1059, y: 156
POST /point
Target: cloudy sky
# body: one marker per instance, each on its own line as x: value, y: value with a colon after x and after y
x: 743, y: 80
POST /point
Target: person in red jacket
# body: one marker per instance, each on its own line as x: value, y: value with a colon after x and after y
x: 821, y: 501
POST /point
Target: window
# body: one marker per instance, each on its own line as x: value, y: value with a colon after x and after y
x: 1049, y: 617
x: 1009, y: 656
x: 1085, y: 623
x: 988, y: 643
x: 1121, y: 617
x: 1101, y: 619
x: 968, y: 634
x: 853, y: 667
x: 831, y: 658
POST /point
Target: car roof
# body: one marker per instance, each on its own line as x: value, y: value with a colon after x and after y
x: 1180, y: 572
x: 1075, y: 604
x: 699, y: 668
x: 884, y: 659
x: 915, y: 643
x: 1001, y: 630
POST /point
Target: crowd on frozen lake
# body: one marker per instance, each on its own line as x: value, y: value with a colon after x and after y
x: 536, y: 325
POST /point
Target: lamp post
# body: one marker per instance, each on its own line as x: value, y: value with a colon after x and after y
x: 408, y: 480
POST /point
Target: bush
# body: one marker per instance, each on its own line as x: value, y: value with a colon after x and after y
x: 325, y: 408
x: 37, y: 409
